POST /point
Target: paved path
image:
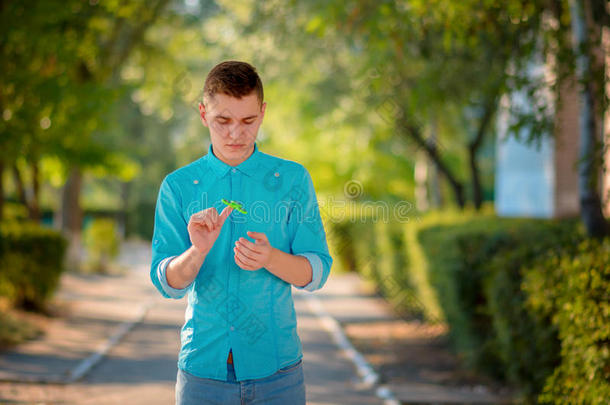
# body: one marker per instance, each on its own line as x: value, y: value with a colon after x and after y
x: 141, y: 368
x: 416, y: 371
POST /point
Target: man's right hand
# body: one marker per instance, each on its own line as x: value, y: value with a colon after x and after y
x: 204, y: 227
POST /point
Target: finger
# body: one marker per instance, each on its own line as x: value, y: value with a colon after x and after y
x: 215, y: 219
x: 249, y: 245
x: 241, y: 264
x: 244, y: 258
x: 208, y: 222
x: 195, y: 226
x: 258, y: 236
x: 213, y: 215
x: 247, y: 252
x: 198, y: 217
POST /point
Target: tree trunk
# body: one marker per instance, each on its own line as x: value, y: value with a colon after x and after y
x: 21, y: 195
x: 477, y: 194
x: 473, y: 149
x: 590, y: 202
x: 421, y: 181
x: 123, y: 225
x: 34, y: 208
x: 71, y: 217
x: 30, y: 202
x: 1, y: 190
x: 436, y: 197
x: 412, y: 131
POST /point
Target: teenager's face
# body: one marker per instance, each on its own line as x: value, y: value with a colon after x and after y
x: 232, y: 121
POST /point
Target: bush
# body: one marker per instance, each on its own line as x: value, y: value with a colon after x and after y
x: 14, y: 212
x: 350, y: 241
x: 31, y: 262
x: 390, y: 265
x: 102, y: 242
x: 526, y: 300
x: 15, y: 329
x: 574, y: 291
x: 477, y: 269
x: 340, y: 245
x: 360, y: 241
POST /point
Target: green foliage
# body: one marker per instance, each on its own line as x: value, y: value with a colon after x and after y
x: 363, y: 241
x: 515, y: 292
x: 573, y: 290
x: 14, y: 212
x: 61, y: 84
x: 476, y: 267
x: 390, y: 265
x: 102, y: 242
x: 14, y: 330
x: 31, y: 262
x: 340, y: 245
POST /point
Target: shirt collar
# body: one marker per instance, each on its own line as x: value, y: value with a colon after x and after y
x: 247, y: 167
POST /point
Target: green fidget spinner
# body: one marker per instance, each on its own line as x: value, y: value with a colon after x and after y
x: 235, y: 205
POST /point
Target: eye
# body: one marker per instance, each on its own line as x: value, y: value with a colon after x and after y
x: 248, y: 122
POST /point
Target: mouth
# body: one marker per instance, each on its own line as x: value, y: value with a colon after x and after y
x: 235, y: 146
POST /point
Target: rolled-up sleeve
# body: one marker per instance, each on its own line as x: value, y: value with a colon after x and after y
x: 170, y: 238
x: 308, y: 234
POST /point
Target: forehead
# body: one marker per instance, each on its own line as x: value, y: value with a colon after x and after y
x: 223, y: 104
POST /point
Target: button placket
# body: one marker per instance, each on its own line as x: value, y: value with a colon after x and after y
x: 231, y: 274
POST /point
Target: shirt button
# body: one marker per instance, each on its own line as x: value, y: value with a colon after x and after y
x: 234, y: 170
x: 232, y: 327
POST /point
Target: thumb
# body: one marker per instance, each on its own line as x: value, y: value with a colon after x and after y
x: 257, y: 236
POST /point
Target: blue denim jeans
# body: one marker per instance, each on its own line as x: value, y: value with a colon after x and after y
x: 286, y: 386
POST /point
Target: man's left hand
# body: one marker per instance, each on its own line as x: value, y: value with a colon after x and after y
x: 253, y: 256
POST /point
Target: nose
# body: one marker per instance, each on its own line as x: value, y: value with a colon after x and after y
x: 236, y: 131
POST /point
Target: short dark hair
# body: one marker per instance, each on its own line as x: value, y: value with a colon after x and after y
x: 233, y: 78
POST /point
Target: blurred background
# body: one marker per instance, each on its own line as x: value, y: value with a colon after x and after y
x: 459, y: 150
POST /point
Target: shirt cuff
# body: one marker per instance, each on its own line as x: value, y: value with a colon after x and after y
x: 169, y: 290
x: 316, y: 267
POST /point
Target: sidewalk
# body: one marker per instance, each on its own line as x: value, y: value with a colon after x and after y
x: 412, y: 358
x: 141, y: 368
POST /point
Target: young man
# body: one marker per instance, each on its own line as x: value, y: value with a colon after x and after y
x: 239, y: 340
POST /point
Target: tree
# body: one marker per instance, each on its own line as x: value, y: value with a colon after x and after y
x: 586, y: 38
x: 60, y: 63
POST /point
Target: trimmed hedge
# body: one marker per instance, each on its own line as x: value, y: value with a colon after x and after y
x: 476, y: 267
x: 374, y: 248
x: 573, y: 290
x: 509, y: 290
x: 31, y: 262
x: 14, y: 329
x: 102, y: 242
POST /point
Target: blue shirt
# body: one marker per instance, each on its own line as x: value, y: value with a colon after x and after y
x: 249, y: 312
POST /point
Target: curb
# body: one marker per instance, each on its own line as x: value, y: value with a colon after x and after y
x: 370, y: 379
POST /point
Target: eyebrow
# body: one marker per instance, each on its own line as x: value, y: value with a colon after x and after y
x: 228, y: 118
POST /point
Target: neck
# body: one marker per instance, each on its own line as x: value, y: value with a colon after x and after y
x: 233, y: 162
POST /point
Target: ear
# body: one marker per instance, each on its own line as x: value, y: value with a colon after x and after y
x: 202, y: 114
x: 263, y: 109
